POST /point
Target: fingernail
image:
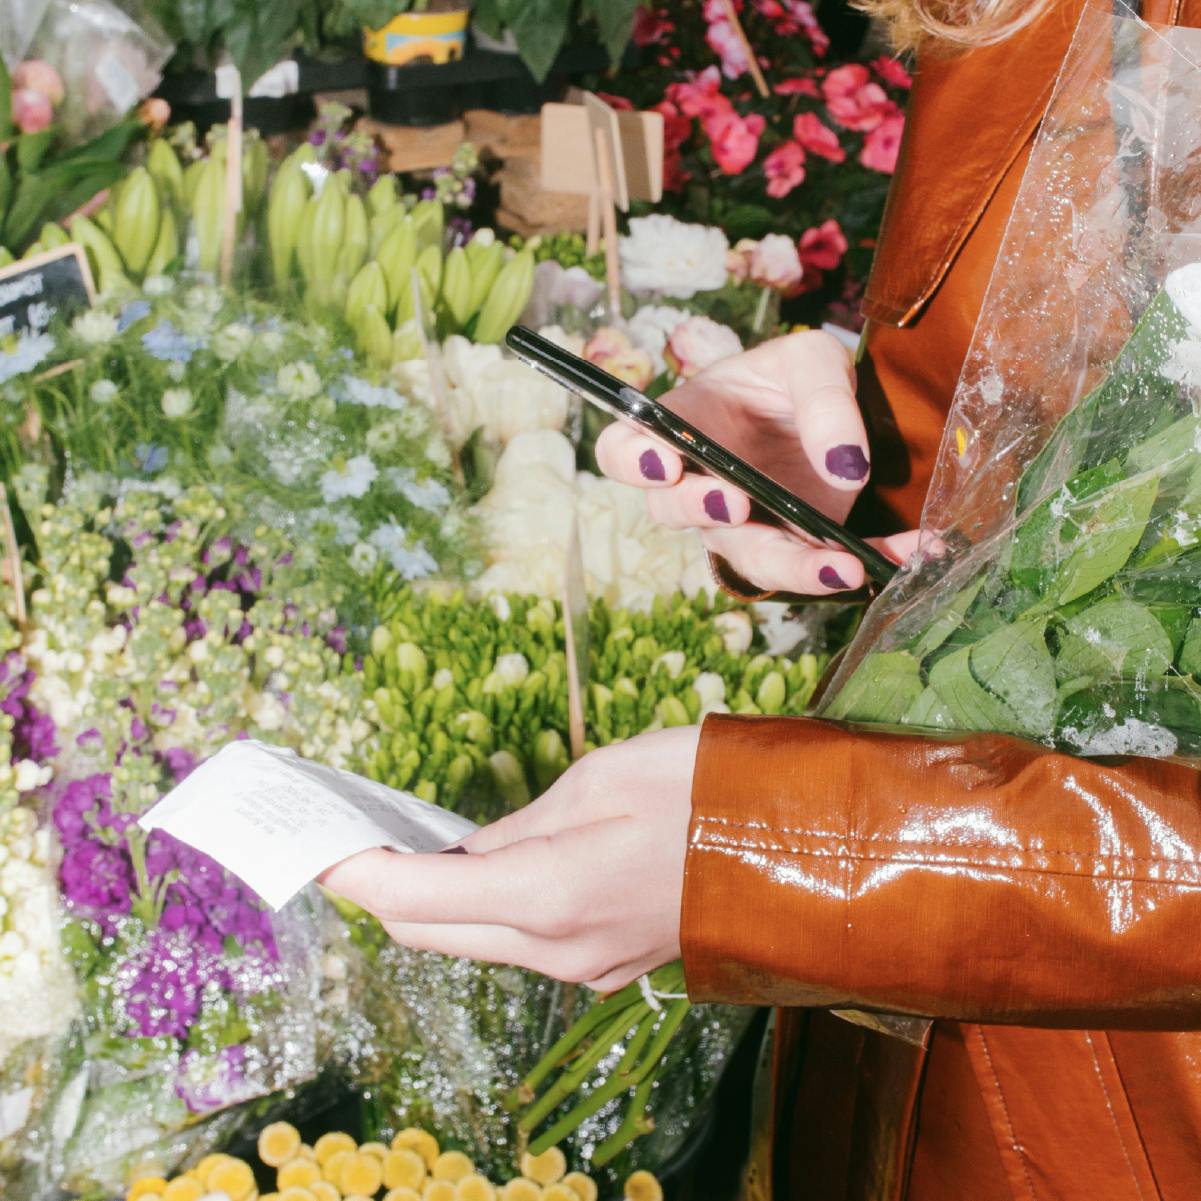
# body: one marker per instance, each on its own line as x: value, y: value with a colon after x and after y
x: 848, y: 462
x: 454, y: 851
x: 830, y: 578
x: 651, y: 466
x: 715, y: 506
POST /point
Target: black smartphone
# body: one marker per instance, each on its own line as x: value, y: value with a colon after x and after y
x: 621, y: 400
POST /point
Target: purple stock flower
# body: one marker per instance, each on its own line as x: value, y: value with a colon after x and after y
x: 79, y: 801
x: 180, y: 762
x: 206, y: 1082
x: 163, y: 984
x: 97, y: 879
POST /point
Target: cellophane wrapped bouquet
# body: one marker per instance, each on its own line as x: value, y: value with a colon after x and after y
x: 1058, y: 592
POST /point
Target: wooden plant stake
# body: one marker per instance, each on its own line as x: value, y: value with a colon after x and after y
x: 233, y: 185
x: 736, y: 25
x: 609, y: 218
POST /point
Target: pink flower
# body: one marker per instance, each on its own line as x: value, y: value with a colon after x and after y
x: 790, y: 17
x: 854, y: 101
x: 785, y: 169
x: 612, y: 351
x: 776, y: 264
x: 698, y: 343
x: 621, y: 103
x: 801, y: 86
x: 880, y: 147
x: 817, y: 138
x: 677, y: 129
x: 39, y: 76
x: 32, y: 111
x: 822, y: 247
x: 701, y: 97
x: 651, y: 26
x: 891, y: 71
x: 734, y: 141
x: 738, y: 259
x: 729, y: 47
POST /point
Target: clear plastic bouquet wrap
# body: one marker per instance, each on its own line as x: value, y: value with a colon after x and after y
x: 1062, y: 604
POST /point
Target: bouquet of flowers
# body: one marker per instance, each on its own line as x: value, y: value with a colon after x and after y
x: 155, y: 637
x: 811, y: 160
x: 1060, y: 600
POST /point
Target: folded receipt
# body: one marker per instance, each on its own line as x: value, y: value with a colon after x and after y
x: 277, y: 821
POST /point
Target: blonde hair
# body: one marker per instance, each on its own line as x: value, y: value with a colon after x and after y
x: 943, y: 25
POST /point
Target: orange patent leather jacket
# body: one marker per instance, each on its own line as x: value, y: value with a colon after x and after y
x: 1045, y: 910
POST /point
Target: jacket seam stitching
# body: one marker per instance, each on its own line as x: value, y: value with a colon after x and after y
x: 942, y: 861
x: 1014, y: 1145
x: 1113, y: 1116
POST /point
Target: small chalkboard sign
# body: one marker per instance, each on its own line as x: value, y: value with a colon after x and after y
x: 33, y: 292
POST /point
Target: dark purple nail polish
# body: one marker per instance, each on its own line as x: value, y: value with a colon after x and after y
x: 651, y: 466
x: 848, y: 462
x: 830, y: 578
x: 454, y: 851
x: 715, y: 506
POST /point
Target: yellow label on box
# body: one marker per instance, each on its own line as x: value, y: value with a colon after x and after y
x: 413, y: 37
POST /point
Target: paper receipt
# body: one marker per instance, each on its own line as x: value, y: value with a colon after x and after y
x: 276, y: 821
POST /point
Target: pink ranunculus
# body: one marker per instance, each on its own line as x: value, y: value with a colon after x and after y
x: 822, y: 247
x: 880, y: 147
x: 612, y: 351
x: 738, y: 259
x: 785, y: 169
x: 32, y: 111
x: 729, y: 47
x: 854, y: 101
x: 734, y: 141
x: 801, y: 86
x: 700, y: 97
x: 698, y: 343
x: 817, y: 138
x: 41, y: 77
x: 892, y: 72
x: 776, y: 264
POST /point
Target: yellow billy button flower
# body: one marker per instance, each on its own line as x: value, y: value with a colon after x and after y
x: 328, y: 1145
x: 583, y: 1186
x: 206, y: 1165
x: 544, y: 1169
x: 298, y: 1173
x: 278, y: 1143
x: 356, y: 1197
x: 402, y: 1194
x: 559, y: 1192
x: 331, y: 1170
x: 452, y: 1165
x: 376, y: 1149
x: 146, y: 1186
x: 324, y: 1191
x: 438, y: 1190
x: 304, y: 1151
x: 234, y: 1178
x: 643, y: 1186
x: 521, y: 1189
x: 361, y: 1174
x: 183, y: 1188
x: 475, y: 1188
x: 415, y: 1139
x: 404, y: 1168
x: 295, y: 1193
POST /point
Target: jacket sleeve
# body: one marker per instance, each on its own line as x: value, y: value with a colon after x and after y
x: 979, y: 878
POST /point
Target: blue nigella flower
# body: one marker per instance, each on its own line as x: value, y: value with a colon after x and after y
x: 149, y: 458
x: 29, y: 351
x: 169, y: 344
x: 131, y: 314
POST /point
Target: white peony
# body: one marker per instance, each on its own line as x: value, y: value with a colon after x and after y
x: 672, y: 257
x: 557, y: 287
x: 698, y: 343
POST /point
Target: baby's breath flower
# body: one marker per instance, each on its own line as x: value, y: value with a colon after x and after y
x: 95, y: 326
x: 103, y: 391
x: 177, y: 402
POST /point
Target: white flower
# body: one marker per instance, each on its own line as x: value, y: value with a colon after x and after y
x: 698, y: 343
x: 513, y: 668
x: 95, y: 326
x: 177, y: 402
x: 672, y: 257
x: 431, y: 495
x: 103, y: 392
x: 672, y: 662
x: 412, y: 562
x: 157, y: 285
x: 353, y: 478
x: 1183, y: 287
x: 651, y: 326
x: 557, y: 287
x: 383, y: 437
x: 30, y: 776
x: 363, y: 557
x: 736, y: 630
x: 1183, y: 365
x: 484, y: 237
x: 346, y: 525
x: 298, y: 381
x: 232, y: 342
x: 710, y: 687
x: 271, y: 341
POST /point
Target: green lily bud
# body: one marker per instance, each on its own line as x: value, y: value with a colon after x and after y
x: 550, y: 758
x: 427, y: 790
x: 671, y: 712
x: 460, y: 772
x: 772, y: 692
x: 672, y: 662
x: 473, y: 726
x: 411, y: 660
x: 509, y: 778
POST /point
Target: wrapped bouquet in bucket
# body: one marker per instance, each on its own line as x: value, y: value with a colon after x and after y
x: 1058, y: 593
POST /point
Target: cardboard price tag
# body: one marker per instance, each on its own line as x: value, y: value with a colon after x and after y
x: 569, y: 161
x: 35, y: 291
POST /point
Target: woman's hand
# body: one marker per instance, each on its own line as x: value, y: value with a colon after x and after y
x: 584, y: 884
x: 788, y: 408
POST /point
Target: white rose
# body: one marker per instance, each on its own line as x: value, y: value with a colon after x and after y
x: 736, y: 630
x: 775, y: 263
x: 664, y: 255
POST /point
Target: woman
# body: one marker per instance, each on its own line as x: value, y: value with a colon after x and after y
x: 1044, y: 909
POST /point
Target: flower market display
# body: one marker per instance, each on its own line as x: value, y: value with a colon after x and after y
x: 280, y: 481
